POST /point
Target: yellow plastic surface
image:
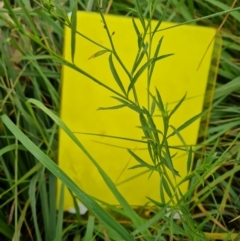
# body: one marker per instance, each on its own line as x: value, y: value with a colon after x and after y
x: 81, y: 97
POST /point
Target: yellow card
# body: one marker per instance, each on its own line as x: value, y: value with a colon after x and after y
x: 186, y: 72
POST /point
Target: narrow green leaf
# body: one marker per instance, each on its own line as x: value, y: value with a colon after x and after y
x: 191, y: 7
x: 116, y: 76
x: 137, y: 75
x: 162, y: 16
x: 136, y: 29
x: 99, y: 53
x: 139, y: 12
x: 73, y: 29
x: 112, y: 107
x: 199, y: 177
x: 52, y: 205
x: 34, y: 57
x: 162, y: 197
x: 11, y: 147
x: 186, y: 124
x: 177, y: 106
x: 32, y: 198
x: 153, y: 107
x: 159, y: 102
x: 150, y: 129
x: 7, y: 5
x: 180, y: 137
x: 153, y: 127
x: 200, y: 19
x: 143, y: 163
x: 144, y: 124
x: 137, y: 166
x: 127, y: 104
x: 167, y: 161
x: 44, y: 203
x: 224, y: 6
x: 136, y: 64
x: 90, y: 228
x: 36, y: 168
x: 161, y: 57
x: 90, y: 4
x: 60, y: 215
x: 76, y: 207
x: 155, y: 56
x: 152, y: 221
x: 114, y: 137
x: 5, y: 229
x: 28, y: 18
x: 186, y: 178
x: 189, y: 161
x: 156, y: 203
x: 166, y: 187
x: 140, y: 41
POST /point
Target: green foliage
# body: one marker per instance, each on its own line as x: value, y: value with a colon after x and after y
x: 30, y: 49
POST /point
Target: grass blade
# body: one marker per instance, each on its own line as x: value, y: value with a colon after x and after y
x: 90, y: 228
x: 60, y: 215
x: 89, y: 202
x: 73, y: 29
x: 32, y: 198
x: 52, y: 205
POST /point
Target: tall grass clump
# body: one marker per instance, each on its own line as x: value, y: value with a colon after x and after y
x: 30, y: 68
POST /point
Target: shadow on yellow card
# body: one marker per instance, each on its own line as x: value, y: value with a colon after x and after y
x: 185, y: 72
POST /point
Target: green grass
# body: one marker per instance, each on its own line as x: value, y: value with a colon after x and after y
x: 30, y: 67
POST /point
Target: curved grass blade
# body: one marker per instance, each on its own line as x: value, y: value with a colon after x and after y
x: 126, y: 206
x: 128, y: 209
x: 89, y: 202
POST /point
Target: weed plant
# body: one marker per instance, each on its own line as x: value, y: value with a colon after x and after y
x: 31, y: 46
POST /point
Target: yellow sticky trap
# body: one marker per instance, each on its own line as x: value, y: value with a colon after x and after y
x: 186, y: 72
